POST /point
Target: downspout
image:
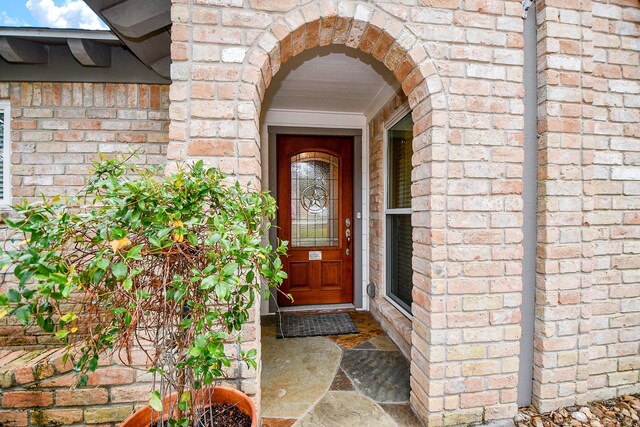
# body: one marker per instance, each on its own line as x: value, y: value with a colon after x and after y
x: 529, y: 196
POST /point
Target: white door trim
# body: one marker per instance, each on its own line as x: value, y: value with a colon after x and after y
x: 329, y: 120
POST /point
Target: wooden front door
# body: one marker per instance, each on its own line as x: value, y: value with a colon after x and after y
x: 315, y: 200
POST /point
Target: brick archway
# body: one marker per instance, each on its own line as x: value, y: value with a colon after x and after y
x: 466, y: 215
x: 357, y: 26
x: 388, y: 40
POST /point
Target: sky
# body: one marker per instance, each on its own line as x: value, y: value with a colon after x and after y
x: 49, y: 13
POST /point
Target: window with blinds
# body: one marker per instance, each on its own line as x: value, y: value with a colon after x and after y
x: 5, y: 146
x: 398, y: 236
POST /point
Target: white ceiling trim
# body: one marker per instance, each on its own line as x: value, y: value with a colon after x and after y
x: 379, y: 101
x: 310, y: 118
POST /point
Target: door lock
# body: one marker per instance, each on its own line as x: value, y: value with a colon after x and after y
x: 347, y: 233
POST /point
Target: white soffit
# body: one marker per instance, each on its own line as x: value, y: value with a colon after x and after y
x: 332, y: 78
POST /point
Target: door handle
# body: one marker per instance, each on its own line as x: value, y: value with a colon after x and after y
x: 347, y: 234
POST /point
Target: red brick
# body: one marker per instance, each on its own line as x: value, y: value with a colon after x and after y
x: 299, y: 40
x: 404, y: 69
x: 81, y: 397
x: 111, y: 376
x: 26, y: 399
x: 369, y: 38
x: 286, y: 49
x: 313, y: 34
x: 211, y: 148
x: 55, y: 417
x: 382, y: 46
x: 327, y: 29
x: 13, y: 418
x: 479, y: 399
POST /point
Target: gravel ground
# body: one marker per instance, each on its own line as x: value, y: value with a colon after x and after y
x: 621, y: 412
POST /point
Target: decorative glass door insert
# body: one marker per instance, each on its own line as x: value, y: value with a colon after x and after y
x: 314, y: 199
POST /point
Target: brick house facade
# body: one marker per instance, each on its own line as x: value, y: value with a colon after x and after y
x: 478, y: 289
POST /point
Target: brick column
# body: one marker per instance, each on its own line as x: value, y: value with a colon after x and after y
x: 615, y: 188
x: 215, y: 98
x: 565, y: 157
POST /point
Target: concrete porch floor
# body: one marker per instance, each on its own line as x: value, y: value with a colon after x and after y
x: 335, y: 381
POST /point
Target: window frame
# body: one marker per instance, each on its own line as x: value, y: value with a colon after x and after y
x: 394, y: 119
x: 5, y: 201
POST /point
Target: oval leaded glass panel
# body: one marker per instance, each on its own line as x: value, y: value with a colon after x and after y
x: 314, y: 199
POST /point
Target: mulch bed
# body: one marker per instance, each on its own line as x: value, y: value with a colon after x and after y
x: 621, y: 412
x: 221, y: 415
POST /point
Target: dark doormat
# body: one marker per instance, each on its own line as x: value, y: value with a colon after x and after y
x: 313, y: 325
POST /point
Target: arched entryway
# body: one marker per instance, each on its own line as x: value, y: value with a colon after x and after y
x: 388, y: 41
x: 466, y: 170
x: 363, y: 27
x: 319, y: 109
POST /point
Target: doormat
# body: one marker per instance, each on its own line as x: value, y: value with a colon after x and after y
x: 314, y: 325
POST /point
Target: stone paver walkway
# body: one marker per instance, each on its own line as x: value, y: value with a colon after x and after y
x: 336, y: 381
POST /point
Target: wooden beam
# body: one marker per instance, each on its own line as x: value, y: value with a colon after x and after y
x: 133, y: 21
x: 162, y: 66
x: 23, y: 51
x: 89, y: 53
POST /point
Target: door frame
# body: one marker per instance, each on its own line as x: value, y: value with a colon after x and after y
x: 314, y: 291
x: 360, y: 205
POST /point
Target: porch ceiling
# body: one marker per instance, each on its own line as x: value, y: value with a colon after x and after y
x: 332, y: 78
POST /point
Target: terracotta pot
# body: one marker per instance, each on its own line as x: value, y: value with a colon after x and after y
x: 218, y: 394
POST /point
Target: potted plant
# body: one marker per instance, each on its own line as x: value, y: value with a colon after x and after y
x: 168, y: 265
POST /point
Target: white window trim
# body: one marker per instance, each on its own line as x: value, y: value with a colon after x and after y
x: 398, y: 115
x: 5, y: 201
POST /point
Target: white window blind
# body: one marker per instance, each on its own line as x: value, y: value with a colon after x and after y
x: 398, y: 229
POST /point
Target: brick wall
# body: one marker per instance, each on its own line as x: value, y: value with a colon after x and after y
x: 564, y: 252
x: 396, y: 324
x: 614, y: 350
x: 59, y: 129
x: 588, y: 293
x: 460, y: 66
x: 36, y: 391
